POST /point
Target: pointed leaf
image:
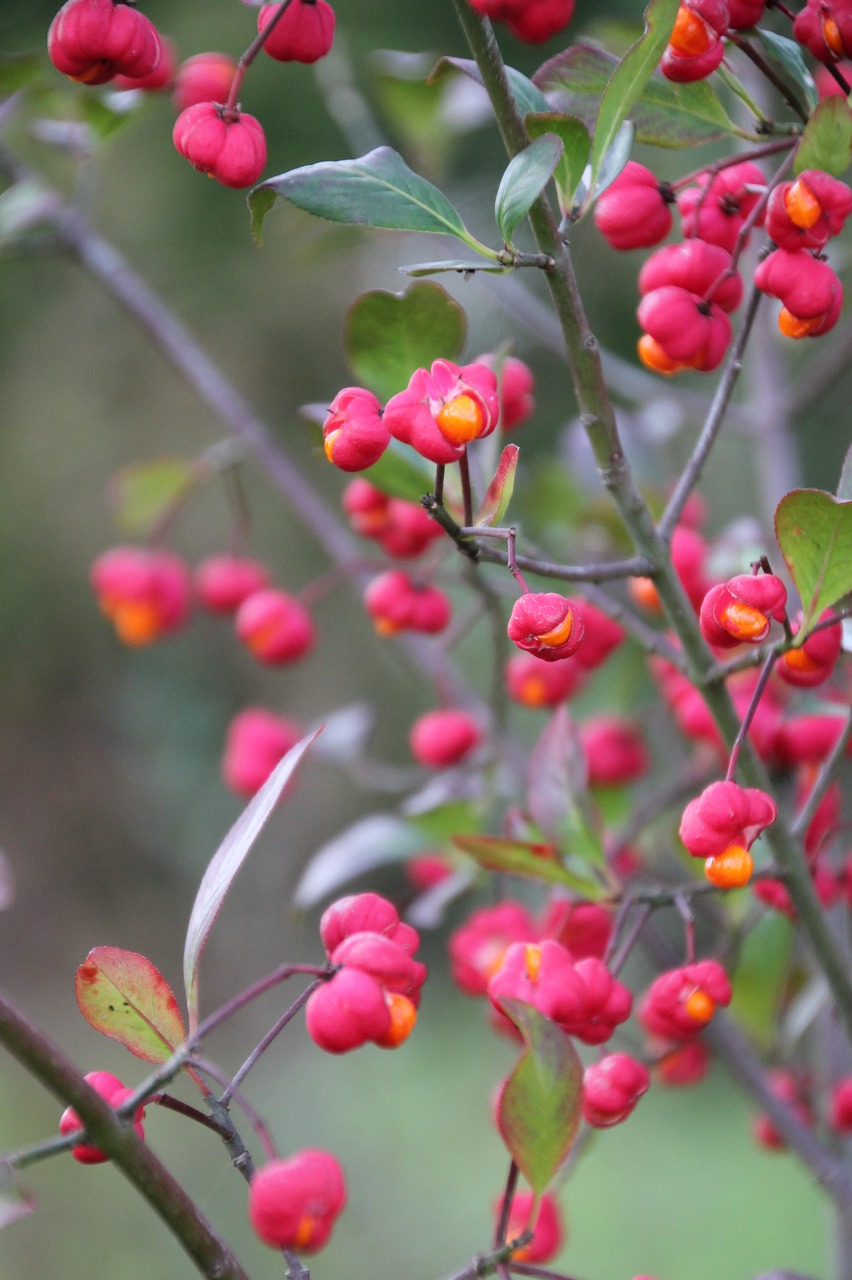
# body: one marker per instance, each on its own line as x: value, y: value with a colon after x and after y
x: 389, y: 335
x: 827, y: 140
x: 368, y: 843
x: 814, y: 532
x: 575, y: 155
x: 540, y: 1103
x: 520, y: 858
x: 844, y: 487
x: 526, y: 176
x: 787, y: 56
x: 499, y: 492
x: 141, y: 494
x: 615, y: 159
x: 122, y: 995
x: 226, y: 862
x: 557, y: 773
x: 630, y: 78
x: 528, y: 97
x: 376, y: 190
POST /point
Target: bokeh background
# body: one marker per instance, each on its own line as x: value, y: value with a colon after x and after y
x: 110, y: 798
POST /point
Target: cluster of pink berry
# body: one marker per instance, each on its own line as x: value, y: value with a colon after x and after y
x: 101, y: 41
x: 533, y: 21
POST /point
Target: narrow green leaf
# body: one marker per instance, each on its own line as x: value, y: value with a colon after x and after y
x: 844, y: 486
x: 499, y: 492
x: 814, y: 532
x: 540, y: 1103
x: 630, y: 78
x: 522, y: 858
x: 528, y: 97
x: 376, y: 190
x: 401, y: 473
x: 576, y: 145
x: 141, y: 494
x: 389, y: 335
x: 787, y: 56
x: 226, y: 862
x: 260, y: 201
x: 526, y: 176
x: 122, y: 995
x: 666, y: 114
x: 827, y: 140
x: 615, y: 158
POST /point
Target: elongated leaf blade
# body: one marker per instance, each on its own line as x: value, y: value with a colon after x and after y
x: 631, y: 77
x: 226, y: 862
x: 498, y: 495
x: 528, y: 97
x: 459, y: 266
x: 575, y: 155
x: 140, y: 495
x: 389, y: 335
x: 368, y: 843
x: 526, y: 176
x: 827, y: 140
x: 376, y: 190
x: 814, y: 532
x: 540, y: 1103
x: 122, y: 995
x: 787, y: 56
x: 522, y: 858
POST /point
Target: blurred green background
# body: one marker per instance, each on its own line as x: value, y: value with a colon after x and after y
x: 110, y: 801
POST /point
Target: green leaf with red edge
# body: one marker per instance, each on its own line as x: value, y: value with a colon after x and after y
x: 140, y: 495
x: 814, y: 532
x: 389, y: 335
x: 827, y: 139
x: 226, y: 862
x: 540, y: 1102
x: 122, y: 995
x: 498, y: 495
x: 525, y: 858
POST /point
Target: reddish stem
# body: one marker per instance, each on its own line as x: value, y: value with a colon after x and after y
x: 246, y: 59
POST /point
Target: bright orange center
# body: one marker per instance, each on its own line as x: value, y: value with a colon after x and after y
x: 92, y: 72
x: 329, y: 443
x: 654, y: 357
x: 646, y: 595
x: 699, y: 1006
x: 731, y: 869
x: 831, y: 36
x: 559, y: 634
x: 691, y: 35
x: 533, y: 692
x: 386, y: 626
x: 744, y: 622
x: 798, y: 660
x: 403, y: 1016
x: 802, y: 206
x: 532, y: 961
x: 794, y: 327
x: 461, y: 420
x: 137, y: 622
x: 304, y: 1231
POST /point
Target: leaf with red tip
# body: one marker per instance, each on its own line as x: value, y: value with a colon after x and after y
x: 523, y: 858
x: 814, y: 532
x: 226, y: 862
x: 122, y: 995
x: 499, y: 492
x: 540, y: 1103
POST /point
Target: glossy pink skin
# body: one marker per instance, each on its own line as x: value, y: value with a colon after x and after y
x: 256, y: 741
x: 689, y: 331
x: 206, y: 77
x: 355, y: 422
x: 686, y: 70
x: 516, y: 385
x: 411, y: 415
x: 384, y: 959
x: 396, y: 600
x: 585, y: 928
x: 601, y: 636
x: 683, y: 1065
x: 113, y: 1091
x: 538, y: 20
x: 222, y: 583
x: 162, y: 77
x: 537, y: 613
x: 548, y: 1233
x: 835, y: 199
x: 607, y: 1004
x: 443, y: 738
x: 662, y: 1010
x: 365, y: 913
x: 808, y: 739
x: 347, y: 1012
x: 823, y: 648
x: 283, y: 1193
x: 95, y: 40
x: 633, y: 212
x: 534, y: 685
x: 275, y: 626
x: 696, y: 266
x: 582, y: 996
x: 763, y: 592
x: 233, y: 151
x: 615, y: 751
x: 477, y: 947
x: 145, y: 575
x: 745, y: 13
x: 725, y: 814
x: 716, y: 208
x: 611, y: 1089
x: 809, y: 29
x: 805, y: 285
x: 304, y: 34
x: 402, y: 529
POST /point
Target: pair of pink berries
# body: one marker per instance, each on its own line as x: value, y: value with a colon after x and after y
x: 532, y: 21
x: 721, y: 825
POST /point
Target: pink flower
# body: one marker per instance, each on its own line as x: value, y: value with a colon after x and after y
x: 443, y: 409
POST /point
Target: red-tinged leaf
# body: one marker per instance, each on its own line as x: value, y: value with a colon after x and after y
x: 226, y: 862
x: 540, y: 1103
x: 520, y: 858
x: 122, y: 995
x: 557, y: 796
x: 499, y: 492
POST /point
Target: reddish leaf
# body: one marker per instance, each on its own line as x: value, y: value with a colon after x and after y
x: 122, y: 995
x: 499, y: 492
x: 540, y: 1103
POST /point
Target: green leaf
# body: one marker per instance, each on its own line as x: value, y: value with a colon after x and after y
x: 526, y: 176
x: 814, y: 532
x: 376, y: 190
x: 528, y: 97
x: 259, y: 203
x: 630, y: 78
x: 122, y: 995
x: 615, y: 158
x: 576, y: 145
x: 17, y: 70
x: 763, y: 967
x: 827, y: 140
x: 401, y: 473
x: 499, y: 492
x: 142, y: 494
x: 519, y: 858
x: 101, y: 117
x: 844, y: 486
x: 666, y: 115
x: 786, y: 55
x: 540, y: 1103
x: 389, y: 335
x: 226, y: 862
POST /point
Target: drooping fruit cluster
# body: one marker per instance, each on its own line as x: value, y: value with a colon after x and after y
x: 721, y: 825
